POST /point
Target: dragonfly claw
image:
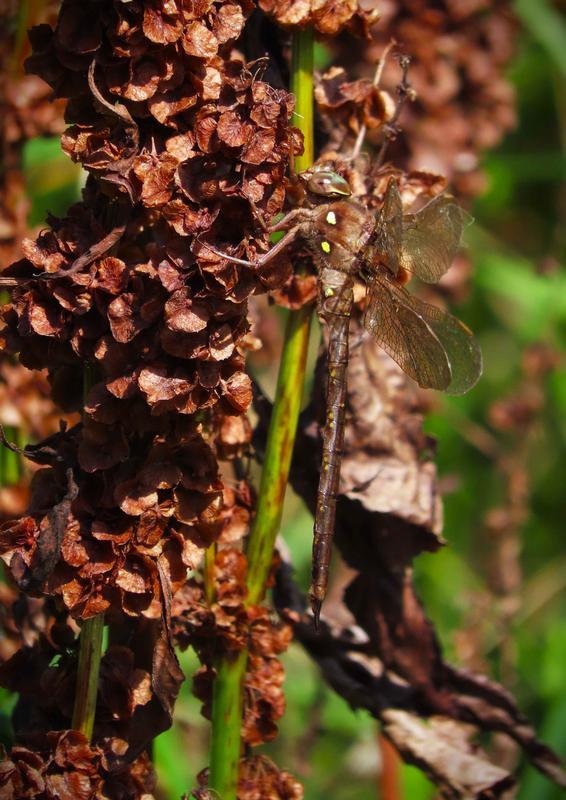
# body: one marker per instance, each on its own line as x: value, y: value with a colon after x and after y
x: 316, y: 606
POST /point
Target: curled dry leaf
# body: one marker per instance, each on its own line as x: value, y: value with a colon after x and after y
x: 442, y: 744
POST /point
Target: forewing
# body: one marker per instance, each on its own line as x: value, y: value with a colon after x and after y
x: 389, y: 228
x: 431, y: 346
x: 431, y: 238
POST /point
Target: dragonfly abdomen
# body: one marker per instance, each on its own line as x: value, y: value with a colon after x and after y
x: 335, y: 305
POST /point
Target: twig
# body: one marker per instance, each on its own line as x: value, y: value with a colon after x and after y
x: 404, y: 92
x: 376, y: 81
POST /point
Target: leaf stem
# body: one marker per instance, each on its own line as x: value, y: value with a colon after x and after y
x: 227, y: 703
x: 90, y: 640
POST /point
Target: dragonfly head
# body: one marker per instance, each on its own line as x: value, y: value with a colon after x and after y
x: 326, y: 183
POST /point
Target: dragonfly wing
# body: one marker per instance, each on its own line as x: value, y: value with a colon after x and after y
x: 431, y: 346
x: 406, y: 336
x: 389, y: 228
x: 459, y: 343
x: 431, y: 238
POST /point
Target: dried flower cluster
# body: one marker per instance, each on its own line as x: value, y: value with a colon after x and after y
x: 184, y: 145
x: 160, y: 316
x: 327, y: 17
x: 227, y: 626
x: 259, y: 779
x: 48, y: 758
x: 66, y: 766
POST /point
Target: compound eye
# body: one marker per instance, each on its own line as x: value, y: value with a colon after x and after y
x: 328, y: 184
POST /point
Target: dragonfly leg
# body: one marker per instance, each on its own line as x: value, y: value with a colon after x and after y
x: 290, y: 220
x: 258, y: 215
x: 404, y: 92
x: 284, y: 242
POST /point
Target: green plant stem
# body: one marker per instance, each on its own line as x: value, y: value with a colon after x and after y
x: 302, y: 86
x: 227, y: 702
x: 209, y: 565
x: 11, y: 461
x: 90, y: 653
x: 90, y: 642
x: 227, y: 710
x: 278, y: 453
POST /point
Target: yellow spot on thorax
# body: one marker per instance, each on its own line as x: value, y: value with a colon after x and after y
x: 325, y: 247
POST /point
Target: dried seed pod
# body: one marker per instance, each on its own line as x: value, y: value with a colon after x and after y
x: 327, y: 17
x: 65, y: 765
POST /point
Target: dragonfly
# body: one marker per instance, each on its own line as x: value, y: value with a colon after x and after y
x: 348, y: 241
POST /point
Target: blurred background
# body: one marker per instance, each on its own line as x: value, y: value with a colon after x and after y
x: 496, y: 591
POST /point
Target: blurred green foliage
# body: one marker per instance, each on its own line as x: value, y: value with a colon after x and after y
x: 518, y: 297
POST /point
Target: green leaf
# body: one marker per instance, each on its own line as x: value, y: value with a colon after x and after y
x: 547, y: 26
x: 533, y: 303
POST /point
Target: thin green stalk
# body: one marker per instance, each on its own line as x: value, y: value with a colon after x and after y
x: 90, y: 653
x: 209, y: 565
x: 227, y: 710
x: 302, y: 86
x: 90, y: 644
x: 12, y: 465
x: 278, y: 453
x: 227, y: 703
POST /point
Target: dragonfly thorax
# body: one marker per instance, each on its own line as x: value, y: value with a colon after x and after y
x: 336, y: 233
